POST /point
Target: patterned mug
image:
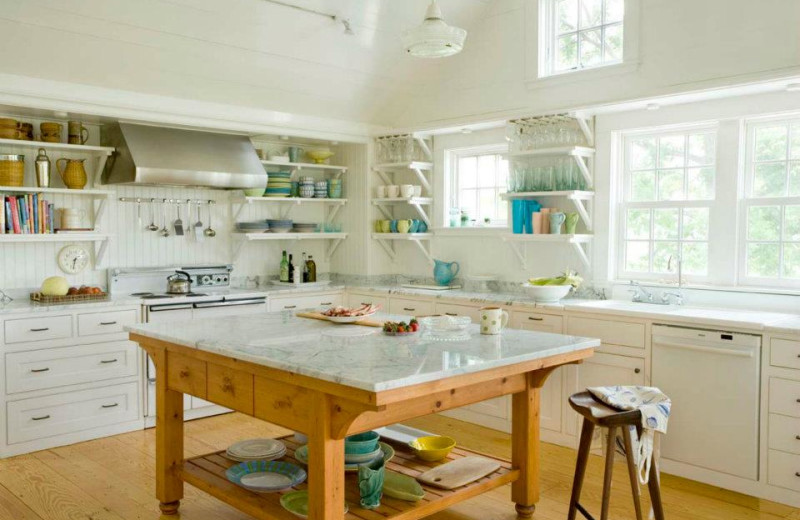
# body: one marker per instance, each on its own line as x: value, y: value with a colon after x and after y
x: 493, y: 320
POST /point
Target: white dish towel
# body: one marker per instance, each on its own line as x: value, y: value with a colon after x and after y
x: 655, y: 408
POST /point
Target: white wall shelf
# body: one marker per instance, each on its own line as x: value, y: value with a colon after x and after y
x: 386, y: 240
x: 59, y: 191
x: 287, y: 203
x: 414, y: 202
x: 277, y: 165
x: 100, y: 240
x: 101, y: 152
x: 517, y: 243
x: 577, y: 197
x: 336, y: 239
x: 387, y: 170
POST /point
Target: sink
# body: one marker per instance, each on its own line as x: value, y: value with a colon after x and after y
x: 619, y: 305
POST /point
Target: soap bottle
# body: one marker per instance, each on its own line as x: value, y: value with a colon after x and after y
x: 312, y: 269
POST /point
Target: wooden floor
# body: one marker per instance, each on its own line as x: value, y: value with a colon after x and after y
x: 113, y: 479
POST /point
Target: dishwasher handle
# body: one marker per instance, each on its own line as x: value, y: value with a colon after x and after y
x: 700, y: 348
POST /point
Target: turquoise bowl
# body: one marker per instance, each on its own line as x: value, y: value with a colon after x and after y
x: 361, y: 443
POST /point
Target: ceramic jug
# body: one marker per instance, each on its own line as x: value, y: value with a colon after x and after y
x: 370, y: 483
x: 444, y: 272
x: 72, y: 173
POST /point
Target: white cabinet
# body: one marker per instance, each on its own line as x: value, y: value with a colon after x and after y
x: 305, y: 301
x: 614, y: 332
x: 537, y: 321
x: 452, y: 309
x: 410, y: 307
x: 39, y: 328
x: 94, y: 323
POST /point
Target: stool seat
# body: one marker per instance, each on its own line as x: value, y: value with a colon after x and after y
x: 602, y: 415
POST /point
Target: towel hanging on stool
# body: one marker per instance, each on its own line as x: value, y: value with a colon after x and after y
x: 655, y: 408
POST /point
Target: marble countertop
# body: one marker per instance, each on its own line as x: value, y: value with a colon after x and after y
x: 356, y: 356
x: 23, y: 305
x: 787, y: 326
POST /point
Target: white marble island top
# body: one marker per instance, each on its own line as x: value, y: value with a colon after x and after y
x: 357, y: 356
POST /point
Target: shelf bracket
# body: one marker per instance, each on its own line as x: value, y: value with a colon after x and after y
x: 582, y: 254
x: 239, y: 210
x: 332, y: 248
x: 285, y: 213
x: 587, y: 131
x: 584, y: 213
x: 424, y: 250
x: 332, y: 212
x: 101, y: 165
x: 423, y: 180
x: 423, y: 215
x: 425, y: 148
x: 100, y: 253
x: 519, y: 252
x: 386, y: 213
x: 587, y: 175
x: 100, y: 210
x: 384, y: 176
x: 389, y: 249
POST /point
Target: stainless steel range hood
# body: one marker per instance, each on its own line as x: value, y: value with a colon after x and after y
x: 153, y: 155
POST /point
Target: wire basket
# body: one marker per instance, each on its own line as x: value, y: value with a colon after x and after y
x: 43, y: 299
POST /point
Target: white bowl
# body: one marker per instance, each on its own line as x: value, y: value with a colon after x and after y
x: 547, y: 293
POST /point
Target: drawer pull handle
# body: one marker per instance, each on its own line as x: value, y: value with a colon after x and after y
x: 290, y: 306
x: 227, y: 385
x: 42, y: 418
x: 108, y: 323
x: 797, y: 473
x: 535, y: 319
x: 370, y: 303
x: 326, y: 303
x: 797, y: 437
x: 183, y: 373
x: 40, y: 330
x: 107, y: 361
x: 37, y: 370
x: 450, y: 314
x: 110, y: 405
x: 409, y: 309
x: 637, y: 370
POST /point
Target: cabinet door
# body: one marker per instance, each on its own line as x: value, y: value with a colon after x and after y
x: 604, y: 370
x: 537, y: 322
x: 450, y: 309
x: 409, y: 307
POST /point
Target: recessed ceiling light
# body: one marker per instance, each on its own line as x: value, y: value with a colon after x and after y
x: 793, y: 87
x: 653, y: 106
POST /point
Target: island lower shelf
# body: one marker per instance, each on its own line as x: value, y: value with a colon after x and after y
x: 207, y: 472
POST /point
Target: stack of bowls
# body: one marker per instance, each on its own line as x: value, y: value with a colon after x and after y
x: 335, y: 188
x: 306, y: 187
x: 256, y: 449
x: 362, y: 448
x: 279, y: 185
x: 321, y: 190
x: 280, y: 226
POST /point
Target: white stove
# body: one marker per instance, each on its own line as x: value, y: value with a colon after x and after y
x: 210, y: 296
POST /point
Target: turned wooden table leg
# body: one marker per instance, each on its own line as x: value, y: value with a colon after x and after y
x: 325, y: 465
x: 169, y: 439
x: 525, y: 444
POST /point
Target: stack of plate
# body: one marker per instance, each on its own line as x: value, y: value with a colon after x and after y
x: 279, y: 185
x: 264, y: 476
x: 257, y: 226
x: 321, y: 189
x: 256, y: 449
x: 304, y: 228
x: 280, y: 226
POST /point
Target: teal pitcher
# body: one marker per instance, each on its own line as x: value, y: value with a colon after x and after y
x: 444, y: 272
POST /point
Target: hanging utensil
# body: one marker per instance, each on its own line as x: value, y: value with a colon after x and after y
x: 198, y: 226
x: 138, y: 213
x: 209, y: 232
x: 178, y: 222
x: 164, y: 230
x: 152, y: 226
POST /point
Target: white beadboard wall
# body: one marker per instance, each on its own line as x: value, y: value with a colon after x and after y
x: 26, y: 265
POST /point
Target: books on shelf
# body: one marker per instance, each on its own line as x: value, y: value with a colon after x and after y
x: 27, y: 214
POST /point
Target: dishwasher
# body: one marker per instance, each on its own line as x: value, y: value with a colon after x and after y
x: 712, y: 378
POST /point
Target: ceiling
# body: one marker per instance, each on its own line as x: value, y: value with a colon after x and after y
x: 242, y: 52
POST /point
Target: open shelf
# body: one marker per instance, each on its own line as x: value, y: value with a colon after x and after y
x: 387, y: 240
x: 100, y: 240
x: 576, y: 151
x: 411, y: 165
x: 304, y: 166
x: 569, y: 194
x: 401, y: 200
x: 336, y: 239
x: 287, y: 203
x: 207, y: 473
x: 57, y: 191
x: 414, y: 202
x: 387, y: 170
x: 57, y: 146
x: 403, y: 236
x: 517, y: 243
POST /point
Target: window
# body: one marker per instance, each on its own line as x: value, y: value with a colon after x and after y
x: 580, y: 34
x: 668, y: 195
x: 477, y: 178
x: 771, y: 207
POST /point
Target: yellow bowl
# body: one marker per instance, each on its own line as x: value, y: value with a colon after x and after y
x: 319, y: 156
x: 433, y: 448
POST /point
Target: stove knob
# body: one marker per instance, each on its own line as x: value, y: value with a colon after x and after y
x: 205, y: 280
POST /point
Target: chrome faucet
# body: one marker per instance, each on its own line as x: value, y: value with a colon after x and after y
x: 680, y: 268
x: 640, y: 294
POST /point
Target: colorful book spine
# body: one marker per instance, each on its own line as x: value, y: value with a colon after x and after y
x: 9, y: 220
x: 35, y: 212
x: 15, y: 215
x: 2, y: 213
x: 51, y: 216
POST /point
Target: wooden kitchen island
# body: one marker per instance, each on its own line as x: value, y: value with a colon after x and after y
x: 329, y: 381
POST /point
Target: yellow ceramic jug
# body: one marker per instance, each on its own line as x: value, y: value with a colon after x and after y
x: 72, y: 173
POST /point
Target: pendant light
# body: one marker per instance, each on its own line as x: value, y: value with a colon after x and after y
x: 434, y: 38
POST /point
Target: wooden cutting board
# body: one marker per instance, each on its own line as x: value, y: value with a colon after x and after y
x: 320, y: 316
x: 459, y: 472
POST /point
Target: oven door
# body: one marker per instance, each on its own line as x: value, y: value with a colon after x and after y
x: 244, y: 306
x: 161, y: 314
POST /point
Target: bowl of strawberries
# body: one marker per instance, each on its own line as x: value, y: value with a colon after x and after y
x: 400, y: 328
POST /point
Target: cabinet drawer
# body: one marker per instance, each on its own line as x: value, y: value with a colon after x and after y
x: 784, y: 397
x: 296, y: 303
x: 186, y: 374
x: 105, y: 322
x: 51, y: 368
x: 784, y: 433
x: 69, y: 412
x: 537, y: 322
x: 783, y: 469
x: 409, y: 307
x: 784, y: 353
x: 230, y: 388
x: 355, y: 299
x: 615, y: 332
x: 38, y: 329
x: 450, y: 309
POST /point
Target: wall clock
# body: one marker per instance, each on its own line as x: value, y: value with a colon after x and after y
x: 73, y: 259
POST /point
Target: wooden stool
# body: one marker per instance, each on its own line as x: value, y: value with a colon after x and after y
x: 598, y: 414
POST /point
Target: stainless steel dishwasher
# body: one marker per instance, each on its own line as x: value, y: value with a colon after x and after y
x: 712, y: 378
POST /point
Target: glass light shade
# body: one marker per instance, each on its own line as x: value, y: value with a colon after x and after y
x: 434, y: 38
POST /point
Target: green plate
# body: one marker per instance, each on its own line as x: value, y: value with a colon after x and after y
x: 296, y: 502
x: 301, y: 455
x: 401, y: 486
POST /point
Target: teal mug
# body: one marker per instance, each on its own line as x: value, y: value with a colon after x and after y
x: 556, y: 220
x: 414, y: 225
x: 393, y: 226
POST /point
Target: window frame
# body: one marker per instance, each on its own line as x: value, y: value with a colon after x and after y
x: 714, y: 205
x: 452, y: 157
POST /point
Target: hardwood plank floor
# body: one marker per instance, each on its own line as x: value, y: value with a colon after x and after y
x: 113, y: 479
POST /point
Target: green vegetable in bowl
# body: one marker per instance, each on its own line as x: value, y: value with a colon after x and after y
x: 568, y: 277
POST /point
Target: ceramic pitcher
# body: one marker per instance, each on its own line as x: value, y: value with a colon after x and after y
x: 444, y: 272
x: 370, y: 483
x: 72, y: 173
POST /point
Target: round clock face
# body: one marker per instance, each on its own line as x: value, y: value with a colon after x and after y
x: 73, y: 259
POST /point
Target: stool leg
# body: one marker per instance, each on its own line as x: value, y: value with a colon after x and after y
x: 654, y: 485
x: 632, y: 473
x: 580, y: 467
x: 610, y: 449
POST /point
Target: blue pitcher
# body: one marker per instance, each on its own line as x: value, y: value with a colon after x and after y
x: 444, y: 272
